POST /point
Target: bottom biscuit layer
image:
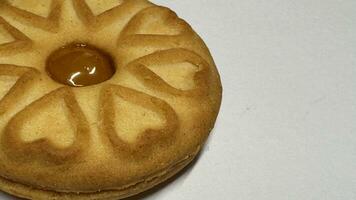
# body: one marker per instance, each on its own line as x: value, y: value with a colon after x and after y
x: 27, y: 192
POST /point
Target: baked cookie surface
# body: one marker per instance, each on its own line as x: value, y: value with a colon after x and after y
x: 111, y: 138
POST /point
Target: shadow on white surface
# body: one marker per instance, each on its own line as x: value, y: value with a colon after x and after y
x: 5, y: 196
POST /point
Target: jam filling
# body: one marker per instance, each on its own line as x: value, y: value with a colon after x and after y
x: 80, y: 65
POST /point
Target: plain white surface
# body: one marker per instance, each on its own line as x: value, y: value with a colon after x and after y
x: 287, y: 126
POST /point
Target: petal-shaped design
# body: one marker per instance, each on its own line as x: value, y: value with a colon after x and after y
x: 21, y: 41
x: 155, y: 26
x: 49, y: 23
x: 98, y: 7
x: 24, y: 82
x: 94, y: 22
x: 149, y: 138
x: 152, y: 80
x: 44, y: 150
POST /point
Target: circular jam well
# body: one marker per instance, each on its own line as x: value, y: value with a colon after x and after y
x: 79, y: 65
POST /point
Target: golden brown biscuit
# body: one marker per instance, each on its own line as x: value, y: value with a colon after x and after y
x: 89, y: 131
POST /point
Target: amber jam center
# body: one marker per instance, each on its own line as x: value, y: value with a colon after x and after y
x: 79, y: 65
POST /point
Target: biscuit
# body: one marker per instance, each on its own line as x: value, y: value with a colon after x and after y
x: 100, y: 99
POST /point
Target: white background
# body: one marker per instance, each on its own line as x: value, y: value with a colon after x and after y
x: 287, y: 126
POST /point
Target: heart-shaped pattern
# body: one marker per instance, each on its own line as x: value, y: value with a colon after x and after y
x: 96, y: 21
x: 20, y: 41
x: 140, y: 70
x: 38, y: 7
x: 6, y: 83
x: 99, y: 7
x: 155, y: 21
x: 26, y: 78
x: 44, y: 150
x: 5, y: 36
x: 165, y: 28
x: 148, y: 139
x: 132, y: 119
x: 49, y: 23
x: 30, y: 148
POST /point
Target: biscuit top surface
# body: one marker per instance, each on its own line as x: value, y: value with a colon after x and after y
x: 151, y: 95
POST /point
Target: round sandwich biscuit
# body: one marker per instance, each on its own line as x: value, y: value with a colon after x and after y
x: 99, y: 99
